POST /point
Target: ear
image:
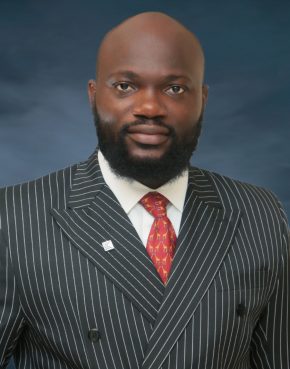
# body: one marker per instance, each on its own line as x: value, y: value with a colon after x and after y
x: 204, y: 95
x: 92, y: 91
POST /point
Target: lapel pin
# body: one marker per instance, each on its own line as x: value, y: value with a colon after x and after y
x: 108, y: 245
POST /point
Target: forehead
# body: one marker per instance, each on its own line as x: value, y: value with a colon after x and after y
x: 149, y: 53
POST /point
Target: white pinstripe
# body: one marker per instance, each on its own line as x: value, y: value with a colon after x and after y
x: 57, y: 282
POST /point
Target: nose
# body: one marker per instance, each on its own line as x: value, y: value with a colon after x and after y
x: 149, y: 105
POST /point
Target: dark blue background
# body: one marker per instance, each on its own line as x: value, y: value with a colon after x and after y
x: 48, y: 53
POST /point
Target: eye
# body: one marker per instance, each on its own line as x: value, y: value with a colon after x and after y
x: 175, y: 90
x: 124, y: 87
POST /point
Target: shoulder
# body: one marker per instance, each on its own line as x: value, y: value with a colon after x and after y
x: 48, y: 188
x: 250, y: 199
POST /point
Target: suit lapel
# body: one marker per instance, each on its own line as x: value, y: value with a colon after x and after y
x: 93, y: 216
x: 206, y: 233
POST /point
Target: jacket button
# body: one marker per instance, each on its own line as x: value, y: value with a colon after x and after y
x: 241, y: 310
x: 94, y: 335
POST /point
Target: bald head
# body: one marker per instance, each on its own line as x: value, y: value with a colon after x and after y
x: 149, y: 34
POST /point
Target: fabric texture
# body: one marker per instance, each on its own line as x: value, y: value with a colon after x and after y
x: 162, y: 238
x: 67, y: 302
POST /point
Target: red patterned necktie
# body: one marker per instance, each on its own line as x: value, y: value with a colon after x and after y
x: 162, y: 239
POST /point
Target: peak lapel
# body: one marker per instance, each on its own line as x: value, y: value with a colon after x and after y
x: 207, y: 230
x: 94, y: 216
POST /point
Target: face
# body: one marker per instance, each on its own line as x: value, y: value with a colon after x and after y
x: 148, y: 101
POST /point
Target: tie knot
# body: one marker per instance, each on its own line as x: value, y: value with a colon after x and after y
x: 155, y: 204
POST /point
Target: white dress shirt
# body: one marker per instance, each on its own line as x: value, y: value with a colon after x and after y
x: 129, y: 193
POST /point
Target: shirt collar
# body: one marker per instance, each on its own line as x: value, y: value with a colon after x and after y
x: 129, y: 192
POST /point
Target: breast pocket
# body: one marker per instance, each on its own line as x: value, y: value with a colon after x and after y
x: 243, y: 296
x: 251, y: 280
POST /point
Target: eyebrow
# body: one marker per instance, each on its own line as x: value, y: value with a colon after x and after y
x: 132, y: 75
x: 126, y: 73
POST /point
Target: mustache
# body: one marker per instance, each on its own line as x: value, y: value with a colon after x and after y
x: 139, y: 122
x: 136, y: 122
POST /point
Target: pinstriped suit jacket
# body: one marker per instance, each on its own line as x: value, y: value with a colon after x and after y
x: 226, y: 304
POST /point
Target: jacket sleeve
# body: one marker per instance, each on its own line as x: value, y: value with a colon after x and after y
x: 11, y: 320
x: 271, y: 338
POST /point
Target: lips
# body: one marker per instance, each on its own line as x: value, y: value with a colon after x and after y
x: 148, y: 134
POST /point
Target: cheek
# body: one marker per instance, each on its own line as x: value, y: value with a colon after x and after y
x: 106, y: 116
x: 110, y: 107
x: 185, y: 123
x: 187, y: 109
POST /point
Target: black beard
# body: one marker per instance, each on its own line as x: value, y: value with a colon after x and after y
x: 166, y: 168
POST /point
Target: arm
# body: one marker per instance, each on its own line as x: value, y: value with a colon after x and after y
x: 11, y: 320
x: 271, y: 339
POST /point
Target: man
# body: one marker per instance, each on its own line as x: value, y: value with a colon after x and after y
x: 96, y: 273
